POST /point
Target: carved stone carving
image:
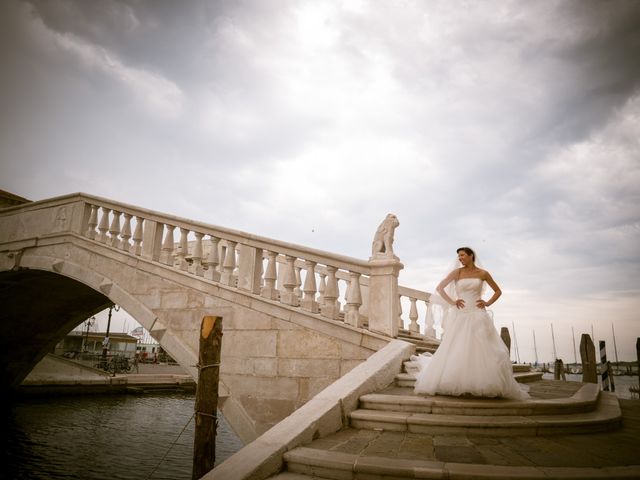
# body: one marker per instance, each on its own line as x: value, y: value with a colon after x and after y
x: 383, y: 239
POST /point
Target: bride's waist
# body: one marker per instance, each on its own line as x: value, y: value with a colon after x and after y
x: 470, y: 304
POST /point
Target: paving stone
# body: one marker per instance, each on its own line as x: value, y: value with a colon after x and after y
x: 357, y: 443
x: 416, y: 447
x: 550, y: 453
x: 501, y: 455
x: 388, y: 444
x: 451, y: 440
x: 457, y: 454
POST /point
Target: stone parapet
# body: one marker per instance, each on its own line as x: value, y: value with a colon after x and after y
x: 325, y: 413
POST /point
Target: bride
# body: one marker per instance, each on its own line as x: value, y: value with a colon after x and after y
x: 472, y: 359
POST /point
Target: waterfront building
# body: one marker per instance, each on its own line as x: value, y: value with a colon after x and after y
x: 90, y: 343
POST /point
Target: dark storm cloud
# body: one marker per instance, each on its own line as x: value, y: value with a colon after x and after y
x: 510, y: 126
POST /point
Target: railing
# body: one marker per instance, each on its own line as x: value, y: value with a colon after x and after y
x: 332, y: 286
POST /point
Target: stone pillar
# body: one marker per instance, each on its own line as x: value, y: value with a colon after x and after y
x: 250, y: 269
x: 588, y: 359
x: 506, y: 338
x: 152, y: 240
x: 383, y: 295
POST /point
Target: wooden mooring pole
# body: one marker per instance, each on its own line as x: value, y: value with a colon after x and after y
x: 204, y: 440
x: 588, y: 359
x: 638, y: 358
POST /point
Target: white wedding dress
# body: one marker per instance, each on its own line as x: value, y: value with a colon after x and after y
x: 472, y: 358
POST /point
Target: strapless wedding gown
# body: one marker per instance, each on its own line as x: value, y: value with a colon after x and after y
x: 472, y: 358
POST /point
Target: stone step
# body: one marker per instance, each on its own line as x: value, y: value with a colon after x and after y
x: 606, y: 416
x: 521, y: 367
x: 402, y: 400
x: 318, y: 463
x: 409, y: 379
x: 412, y: 367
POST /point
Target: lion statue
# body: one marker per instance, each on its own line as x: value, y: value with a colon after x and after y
x: 383, y: 239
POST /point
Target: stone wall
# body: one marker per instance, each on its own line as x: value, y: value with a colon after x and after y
x: 274, y: 358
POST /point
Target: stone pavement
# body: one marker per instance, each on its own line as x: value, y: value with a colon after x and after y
x: 368, y: 453
x: 620, y: 447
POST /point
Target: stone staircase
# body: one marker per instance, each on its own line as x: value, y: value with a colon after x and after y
x: 423, y: 344
x: 396, y: 434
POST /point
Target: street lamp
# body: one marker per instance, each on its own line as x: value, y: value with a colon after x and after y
x: 105, y: 342
x: 85, y: 341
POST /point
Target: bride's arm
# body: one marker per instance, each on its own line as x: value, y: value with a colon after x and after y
x: 443, y: 284
x: 496, y: 291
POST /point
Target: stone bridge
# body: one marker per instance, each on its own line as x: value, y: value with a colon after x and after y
x: 295, y: 319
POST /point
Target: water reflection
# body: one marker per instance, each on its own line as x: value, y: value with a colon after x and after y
x: 105, y: 437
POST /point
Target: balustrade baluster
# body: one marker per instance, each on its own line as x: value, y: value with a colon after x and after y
x: 114, y: 230
x: 309, y: 300
x: 413, y: 316
x: 223, y: 256
x: 429, y: 330
x: 184, y: 250
x: 214, y: 260
x: 93, y: 223
x: 103, y: 227
x: 354, y: 301
x: 229, y: 264
x: 126, y: 233
x: 168, y: 246
x: 331, y: 307
x: 297, y: 290
x: 197, y: 256
x: 322, y: 288
x: 137, y: 236
x: 289, y: 283
x: 270, y: 276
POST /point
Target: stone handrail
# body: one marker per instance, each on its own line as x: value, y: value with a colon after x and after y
x: 363, y: 294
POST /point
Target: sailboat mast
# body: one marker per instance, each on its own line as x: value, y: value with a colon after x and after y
x: 553, y: 340
x: 515, y: 341
x: 615, y: 347
x: 535, y: 347
x: 575, y: 355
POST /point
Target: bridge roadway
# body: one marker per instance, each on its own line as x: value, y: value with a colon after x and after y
x: 64, y: 259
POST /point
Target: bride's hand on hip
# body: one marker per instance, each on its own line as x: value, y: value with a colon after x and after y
x: 459, y: 304
x: 481, y: 304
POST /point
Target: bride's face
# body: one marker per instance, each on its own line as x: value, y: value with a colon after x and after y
x: 464, y: 258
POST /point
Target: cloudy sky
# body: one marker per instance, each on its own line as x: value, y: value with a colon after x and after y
x: 511, y: 127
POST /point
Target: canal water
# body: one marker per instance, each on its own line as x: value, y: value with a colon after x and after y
x: 97, y: 437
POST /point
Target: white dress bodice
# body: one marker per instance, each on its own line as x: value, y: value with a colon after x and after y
x: 469, y: 290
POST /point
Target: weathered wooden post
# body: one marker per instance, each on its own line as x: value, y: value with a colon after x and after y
x: 558, y: 370
x: 588, y: 359
x: 506, y: 338
x: 638, y: 358
x: 606, y: 383
x: 204, y: 441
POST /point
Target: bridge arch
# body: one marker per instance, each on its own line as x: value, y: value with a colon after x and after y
x: 49, y: 296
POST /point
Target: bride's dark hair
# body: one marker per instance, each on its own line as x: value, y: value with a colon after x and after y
x: 468, y: 251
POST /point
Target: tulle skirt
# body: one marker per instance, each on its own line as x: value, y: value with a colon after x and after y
x: 472, y: 359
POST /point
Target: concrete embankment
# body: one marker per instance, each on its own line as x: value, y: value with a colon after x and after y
x: 58, y: 375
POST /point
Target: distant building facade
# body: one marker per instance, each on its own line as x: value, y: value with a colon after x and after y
x: 91, y: 343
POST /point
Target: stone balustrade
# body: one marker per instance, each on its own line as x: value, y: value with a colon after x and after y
x: 335, y: 287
